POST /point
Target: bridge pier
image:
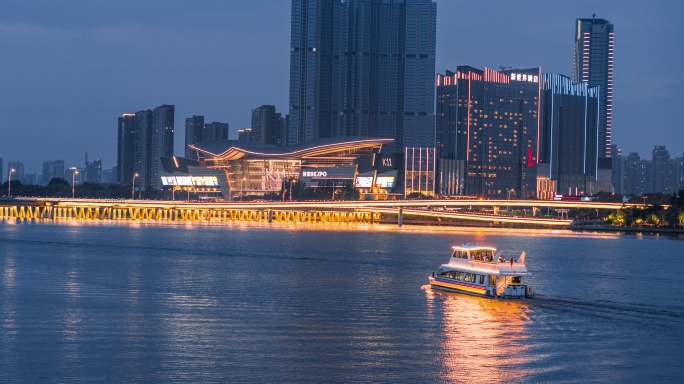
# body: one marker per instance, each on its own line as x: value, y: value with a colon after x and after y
x: 400, y: 219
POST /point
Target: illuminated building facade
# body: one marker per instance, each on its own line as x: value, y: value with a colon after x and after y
x: 569, y: 135
x: 488, y: 132
x: 363, y: 68
x: 594, y: 65
x: 252, y: 168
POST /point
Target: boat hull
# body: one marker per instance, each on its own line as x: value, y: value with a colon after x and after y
x: 476, y: 290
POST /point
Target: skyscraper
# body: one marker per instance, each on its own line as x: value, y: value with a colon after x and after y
x: 662, y: 170
x: 194, y: 133
x: 267, y: 125
x: 144, y: 138
x: 52, y: 169
x: 124, y: 154
x: 488, y: 123
x: 363, y: 68
x: 569, y: 133
x: 594, y: 65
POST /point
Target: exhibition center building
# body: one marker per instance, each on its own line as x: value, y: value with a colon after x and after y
x: 231, y: 169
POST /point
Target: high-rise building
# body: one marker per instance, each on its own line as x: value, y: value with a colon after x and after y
x: 245, y: 134
x: 194, y: 133
x: 488, y: 126
x: 363, y: 68
x: 2, y: 171
x: 151, y: 133
x: 267, y: 125
x: 678, y: 173
x: 594, y: 65
x: 662, y: 170
x: 617, y: 170
x: 216, y: 131
x: 93, y: 171
x: 569, y: 130
x: 18, y: 168
x: 52, y: 169
x: 126, y: 144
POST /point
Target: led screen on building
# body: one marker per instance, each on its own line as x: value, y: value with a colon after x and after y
x: 384, y: 182
x: 364, y: 182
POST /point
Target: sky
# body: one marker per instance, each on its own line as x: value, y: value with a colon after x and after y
x: 70, y: 68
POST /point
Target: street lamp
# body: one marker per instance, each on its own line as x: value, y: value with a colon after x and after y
x: 9, y: 182
x: 133, y: 188
x: 73, y: 184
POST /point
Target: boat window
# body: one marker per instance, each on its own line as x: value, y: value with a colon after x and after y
x: 516, y: 280
x: 467, y: 277
x: 481, y: 279
x: 455, y: 254
x: 492, y: 280
x: 459, y: 276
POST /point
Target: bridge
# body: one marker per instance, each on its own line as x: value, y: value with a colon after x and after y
x: 292, y: 212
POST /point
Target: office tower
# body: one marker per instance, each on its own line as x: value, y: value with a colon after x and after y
x: 662, y: 170
x: 569, y: 134
x: 617, y: 170
x: 52, y: 169
x: 488, y: 125
x: 149, y: 133
x: 267, y: 125
x: 124, y: 154
x: 594, y: 65
x: 194, y: 133
x: 638, y: 175
x: 363, y: 68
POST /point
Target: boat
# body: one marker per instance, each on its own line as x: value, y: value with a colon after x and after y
x: 484, y: 271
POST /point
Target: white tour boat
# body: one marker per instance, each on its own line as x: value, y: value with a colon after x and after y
x: 482, y: 271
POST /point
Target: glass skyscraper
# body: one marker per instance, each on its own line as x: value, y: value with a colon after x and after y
x: 594, y: 65
x: 363, y: 68
x: 569, y: 134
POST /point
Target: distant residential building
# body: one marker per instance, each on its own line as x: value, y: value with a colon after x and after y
x: 678, y: 173
x: 363, y: 68
x: 196, y: 131
x: 18, y: 167
x: 93, y: 171
x: 662, y: 170
x: 108, y: 176
x: 245, y: 134
x: 267, y: 125
x: 52, y: 169
x: 152, y: 134
x: 125, y: 149
x: 488, y: 126
x: 617, y: 171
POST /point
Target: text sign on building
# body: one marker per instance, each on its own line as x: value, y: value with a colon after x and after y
x: 525, y: 77
x: 364, y: 182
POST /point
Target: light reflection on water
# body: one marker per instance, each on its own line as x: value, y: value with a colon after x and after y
x: 311, y: 303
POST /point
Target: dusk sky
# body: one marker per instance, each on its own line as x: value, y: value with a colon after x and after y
x: 69, y: 68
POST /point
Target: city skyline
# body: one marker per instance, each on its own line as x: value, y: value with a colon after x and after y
x: 72, y: 76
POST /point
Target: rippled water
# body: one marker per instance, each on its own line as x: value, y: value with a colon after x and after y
x: 308, y: 303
